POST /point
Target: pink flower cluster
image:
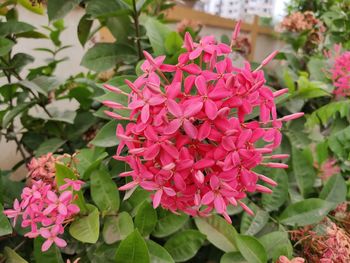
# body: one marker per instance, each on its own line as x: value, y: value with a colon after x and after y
x: 44, y: 208
x: 340, y: 71
x: 189, y: 139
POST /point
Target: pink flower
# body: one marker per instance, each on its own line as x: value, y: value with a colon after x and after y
x: 284, y: 259
x: 14, y: 213
x: 75, y: 184
x: 42, y: 208
x: 51, y: 237
x: 188, y: 140
x: 42, y: 168
x: 341, y: 74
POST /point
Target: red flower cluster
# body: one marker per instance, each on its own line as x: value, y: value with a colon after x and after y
x: 340, y: 71
x: 43, y: 208
x: 189, y: 141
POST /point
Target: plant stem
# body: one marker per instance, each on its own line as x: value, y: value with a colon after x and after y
x: 137, y: 30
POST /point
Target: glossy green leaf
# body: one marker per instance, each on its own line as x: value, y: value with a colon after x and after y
x: 104, y: 56
x: 157, y: 34
x: 306, y: 212
x: 220, y: 233
x: 106, y: 136
x: 11, y: 114
x: 50, y: 145
x: 325, y: 113
x: 133, y: 249
x: 12, y: 256
x: 146, y: 218
x: 184, y: 245
x: 117, y: 228
x: 89, y: 160
x: 339, y: 143
x: 87, y: 227
x: 305, y: 174
x: 233, y: 257
x: 274, y: 201
x: 14, y: 27
x: 57, y: 9
x: 84, y: 28
x: 251, y: 249
x: 120, y: 27
x: 53, y: 255
x: 5, y: 46
x: 106, y: 8
x: 104, y: 192
x: 5, y: 226
x: 334, y: 190
x: 277, y: 244
x: 168, y: 223
x: 157, y: 253
x: 173, y: 43
x: 251, y: 225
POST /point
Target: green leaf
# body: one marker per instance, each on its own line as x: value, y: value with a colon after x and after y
x: 104, y: 56
x: 306, y: 212
x: 120, y: 27
x: 334, y: 190
x: 53, y: 255
x: 50, y: 145
x: 311, y: 89
x: 316, y: 68
x: 146, y: 218
x: 11, y: 114
x: 57, y: 112
x: 104, y: 192
x: 296, y: 133
x: 288, y: 81
x: 273, y: 201
x: 86, y: 228
x: 251, y: 249
x: 231, y: 257
x: 277, y: 244
x: 57, y: 9
x: 321, y: 152
x: 12, y: 257
x: 157, y: 253
x: 33, y: 86
x: 324, y: 114
x: 117, y: 228
x: 106, y: 136
x: 14, y: 27
x: 31, y: 34
x: 168, y: 223
x: 184, y: 245
x: 173, y: 43
x: 133, y: 249
x: 5, y: 226
x: 251, y: 225
x: 89, y: 160
x: 5, y: 46
x: 63, y: 172
x: 339, y: 143
x: 106, y: 8
x: 157, y: 34
x: 84, y: 28
x: 303, y: 169
x: 220, y: 233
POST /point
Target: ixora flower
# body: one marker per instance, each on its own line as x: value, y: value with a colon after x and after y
x: 44, y: 208
x: 340, y: 71
x: 190, y: 138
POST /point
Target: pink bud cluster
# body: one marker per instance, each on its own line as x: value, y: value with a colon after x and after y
x: 189, y: 139
x: 44, y: 208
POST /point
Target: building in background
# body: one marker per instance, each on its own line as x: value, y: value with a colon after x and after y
x: 243, y: 9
